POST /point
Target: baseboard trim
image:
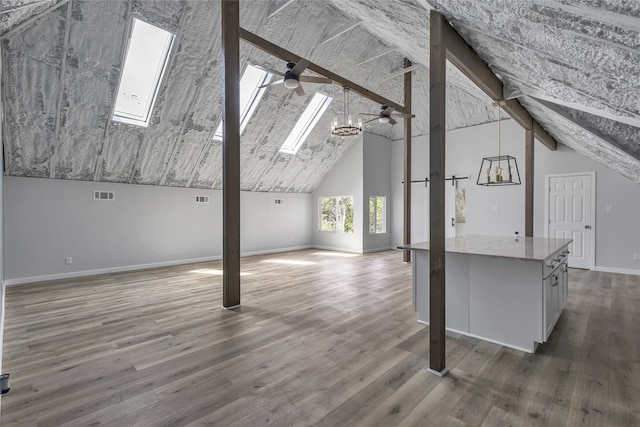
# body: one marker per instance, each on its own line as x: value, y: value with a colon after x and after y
x: 467, y: 334
x: 276, y: 251
x: 95, y: 272
x: 337, y: 249
x: 617, y: 270
x: 386, y: 248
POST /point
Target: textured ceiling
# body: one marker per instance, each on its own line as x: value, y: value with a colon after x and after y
x: 576, y: 68
x: 574, y: 65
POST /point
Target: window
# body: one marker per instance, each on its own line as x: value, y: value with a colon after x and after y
x: 250, y: 95
x: 377, y: 217
x: 145, y: 63
x: 336, y: 214
x: 305, y: 123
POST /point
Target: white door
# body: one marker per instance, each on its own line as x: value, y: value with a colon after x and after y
x: 570, y: 215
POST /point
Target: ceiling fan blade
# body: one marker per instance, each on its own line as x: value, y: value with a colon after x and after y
x: 315, y: 79
x: 300, y: 67
x: 369, y: 114
x: 268, y: 70
x: 299, y: 90
x: 369, y: 121
x: 396, y: 114
x: 272, y: 83
x: 391, y: 121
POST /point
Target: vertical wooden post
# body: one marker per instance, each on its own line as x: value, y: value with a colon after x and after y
x: 437, y: 96
x: 407, y: 163
x: 528, y: 182
x: 231, y: 153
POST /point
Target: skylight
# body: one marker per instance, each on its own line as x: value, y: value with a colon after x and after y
x: 307, y: 121
x: 144, y: 65
x: 250, y: 95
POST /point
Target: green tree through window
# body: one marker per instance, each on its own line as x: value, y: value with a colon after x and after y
x: 377, y: 219
x: 336, y: 214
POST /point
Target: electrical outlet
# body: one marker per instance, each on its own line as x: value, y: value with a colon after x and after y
x: 495, y: 208
x: 636, y: 257
x: 68, y: 260
x: 609, y: 208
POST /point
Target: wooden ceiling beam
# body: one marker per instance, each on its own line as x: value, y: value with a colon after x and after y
x: 543, y: 136
x: 286, y: 55
x: 460, y: 54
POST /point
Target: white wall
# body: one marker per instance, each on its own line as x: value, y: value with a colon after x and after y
x: 266, y: 226
x: 344, y: 179
x: 48, y: 220
x: 376, y: 182
x: 490, y: 210
x: 419, y: 193
x: 617, y: 233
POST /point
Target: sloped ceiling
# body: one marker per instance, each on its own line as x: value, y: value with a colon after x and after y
x: 576, y: 68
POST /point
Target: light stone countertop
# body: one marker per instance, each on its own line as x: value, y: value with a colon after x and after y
x: 528, y: 248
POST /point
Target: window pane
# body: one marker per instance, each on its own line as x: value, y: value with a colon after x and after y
x: 344, y: 216
x: 250, y: 96
x: 328, y: 214
x: 377, y: 214
x: 144, y: 65
x: 305, y: 123
x: 372, y: 214
x: 380, y: 217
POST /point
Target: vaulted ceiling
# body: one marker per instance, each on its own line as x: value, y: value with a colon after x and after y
x: 576, y: 68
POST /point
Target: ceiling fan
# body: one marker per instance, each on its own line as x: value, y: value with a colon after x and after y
x: 386, y: 115
x: 292, y: 78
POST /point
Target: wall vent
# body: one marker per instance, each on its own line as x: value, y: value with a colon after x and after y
x: 279, y: 202
x: 103, y: 195
x: 202, y: 199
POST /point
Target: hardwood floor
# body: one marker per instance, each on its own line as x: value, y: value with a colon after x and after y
x: 320, y: 339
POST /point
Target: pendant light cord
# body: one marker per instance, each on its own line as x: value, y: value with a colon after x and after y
x: 346, y: 106
x: 499, y: 116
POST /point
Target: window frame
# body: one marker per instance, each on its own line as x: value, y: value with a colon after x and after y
x: 306, y: 123
x: 378, y: 223
x: 130, y: 118
x: 247, y: 110
x: 337, y: 203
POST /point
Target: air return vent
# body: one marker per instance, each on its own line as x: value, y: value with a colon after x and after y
x: 202, y: 199
x: 103, y: 195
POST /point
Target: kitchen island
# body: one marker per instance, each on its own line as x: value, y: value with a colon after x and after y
x: 506, y: 290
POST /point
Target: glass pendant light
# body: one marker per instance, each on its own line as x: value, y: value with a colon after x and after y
x: 500, y: 169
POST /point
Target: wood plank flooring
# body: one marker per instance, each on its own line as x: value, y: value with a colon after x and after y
x: 321, y: 338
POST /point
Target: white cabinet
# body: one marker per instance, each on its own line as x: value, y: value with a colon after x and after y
x: 515, y: 302
x: 555, y: 290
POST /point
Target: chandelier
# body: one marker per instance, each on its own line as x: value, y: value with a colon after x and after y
x: 348, y: 128
x: 500, y: 169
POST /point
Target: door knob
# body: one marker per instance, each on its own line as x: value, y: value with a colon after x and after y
x: 588, y: 227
